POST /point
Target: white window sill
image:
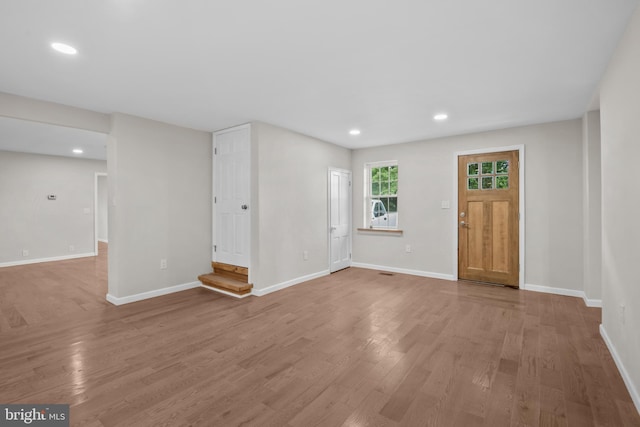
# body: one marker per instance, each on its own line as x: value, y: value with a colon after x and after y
x: 381, y: 230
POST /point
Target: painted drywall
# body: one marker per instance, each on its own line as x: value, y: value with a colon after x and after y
x: 293, y: 199
x: 36, y: 110
x: 591, y: 207
x: 46, y: 228
x: 620, y: 128
x: 159, y: 205
x: 102, y: 214
x: 553, y: 158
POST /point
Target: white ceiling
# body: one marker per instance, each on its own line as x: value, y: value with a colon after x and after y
x: 317, y: 67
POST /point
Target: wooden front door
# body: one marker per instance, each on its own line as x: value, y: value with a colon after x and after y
x: 488, y: 238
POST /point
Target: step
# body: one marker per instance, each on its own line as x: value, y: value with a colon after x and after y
x: 231, y: 271
x: 225, y: 283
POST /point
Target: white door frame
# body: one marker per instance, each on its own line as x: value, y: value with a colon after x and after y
x: 95, y: 210
x: 214, y: 190
x: 521, y: 207
x: 332, y: 169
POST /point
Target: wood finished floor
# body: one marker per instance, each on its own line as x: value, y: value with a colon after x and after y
x: 356, y: 348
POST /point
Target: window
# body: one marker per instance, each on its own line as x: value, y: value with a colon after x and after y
x: 381, y: 189
x: 488, y: 175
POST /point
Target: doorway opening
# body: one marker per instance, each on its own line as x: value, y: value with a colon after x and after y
x: 100, y: 210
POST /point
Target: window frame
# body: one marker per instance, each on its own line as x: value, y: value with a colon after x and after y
x: 368, y: 196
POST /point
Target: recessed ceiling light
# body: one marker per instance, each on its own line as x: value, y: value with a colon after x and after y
x: 440, y: 117
x: 78, y: 151
x: 354, y: 132
x: 64, y: 48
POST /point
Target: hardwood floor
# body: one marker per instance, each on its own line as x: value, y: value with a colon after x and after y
x: 35, y: 293
x: 356, y: 348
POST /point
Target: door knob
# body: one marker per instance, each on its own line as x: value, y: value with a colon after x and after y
x: 463, y: 224
x: 244, y: 207
x: 334, y: 228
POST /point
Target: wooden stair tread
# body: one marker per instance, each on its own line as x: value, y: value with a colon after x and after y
x: 231, y: 271
x: 219, y: 266
x: 222, y: 282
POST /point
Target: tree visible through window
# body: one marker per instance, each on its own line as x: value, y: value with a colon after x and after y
x: 383, y: 191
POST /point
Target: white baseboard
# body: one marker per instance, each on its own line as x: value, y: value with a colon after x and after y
x: 151, y: 294
x: 103, y: 240
x: 404, y: 271
x: 50, y: 259
x: 292, y: 282
x: 566, y: 292
x: 593, y: 302
x: 222, y: 291
x: 555, y: 291
x: 633, y: 391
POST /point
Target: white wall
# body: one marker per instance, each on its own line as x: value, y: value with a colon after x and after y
x: 620, y: 128
x: 553, y: 203
x: 591, y: 205
x: 102, y: 196
x: 159, y: 206
x: 35, y: 110
x: 46, y: 228
x: 293, y: 195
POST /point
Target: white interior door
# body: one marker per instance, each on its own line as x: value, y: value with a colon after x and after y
x: 340, y: 219
x: 232, y: 166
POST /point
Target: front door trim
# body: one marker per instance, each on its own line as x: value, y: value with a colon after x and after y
x: 454, y: 205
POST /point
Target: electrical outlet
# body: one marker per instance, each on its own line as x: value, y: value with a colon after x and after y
x: 407, y: 248
x: 25, y: 252
x: 305, y: 255
x: 621, y: 310
x: 72, y: 248
x: 163, y: 264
